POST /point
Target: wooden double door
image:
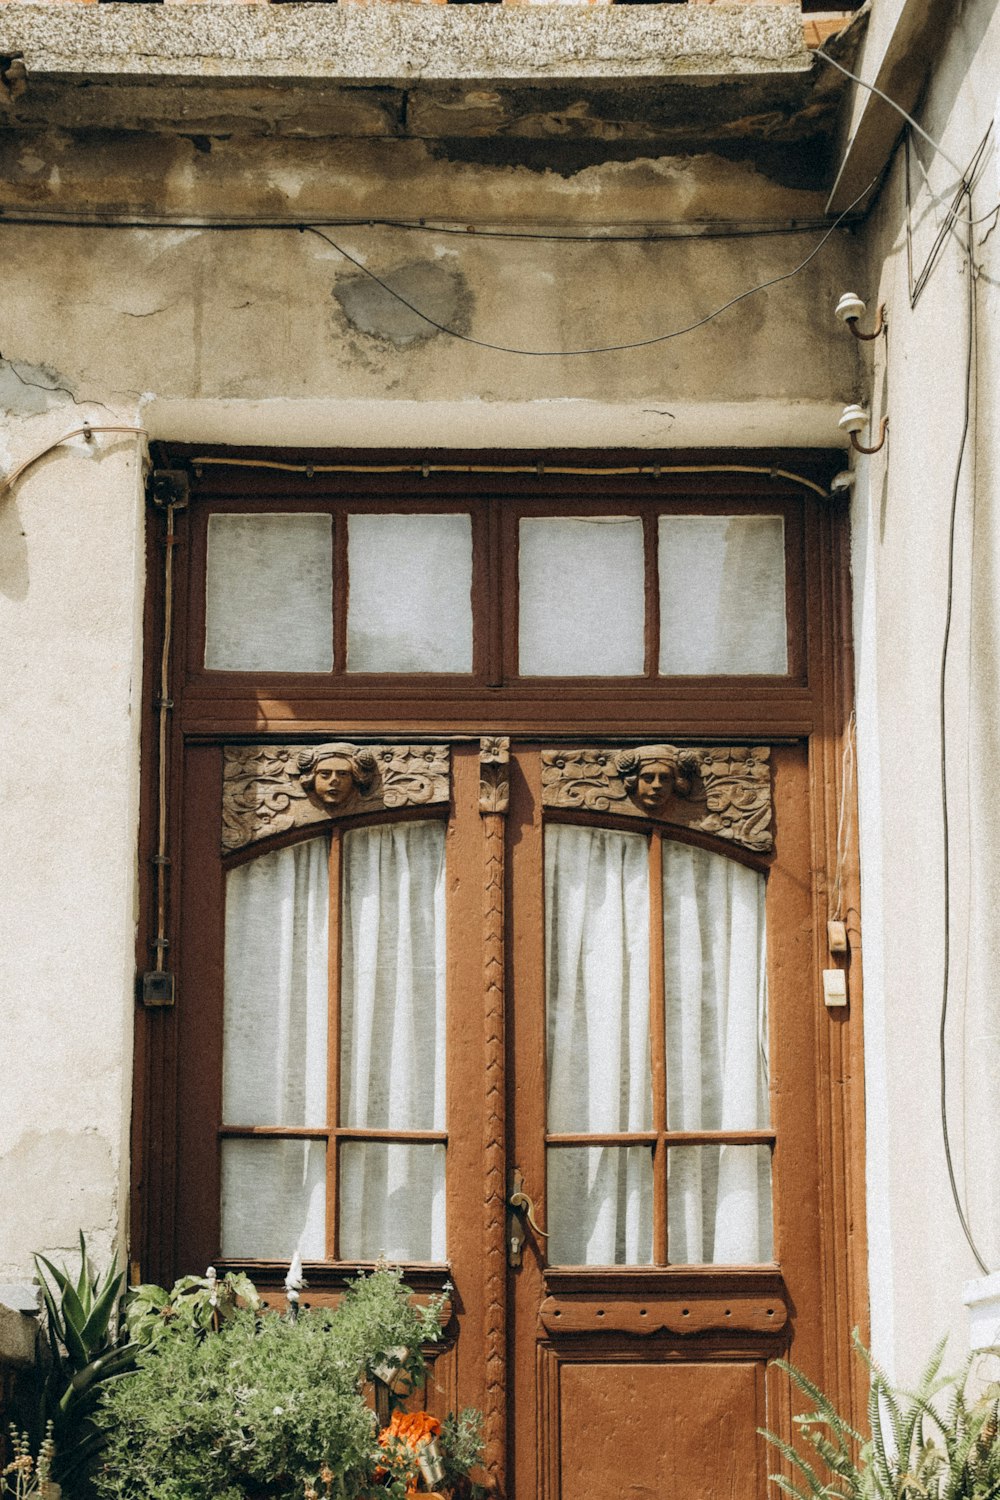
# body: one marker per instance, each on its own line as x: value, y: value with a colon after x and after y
x: 495, y: 814
x: 538, y: 1020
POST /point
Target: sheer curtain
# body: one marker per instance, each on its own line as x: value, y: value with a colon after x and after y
x: 274, y: 1047
x: 597, y: 1010
x: 392, y: 1052
x: 719, y: 1197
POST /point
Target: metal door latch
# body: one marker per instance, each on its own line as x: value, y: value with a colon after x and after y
x: 521, y: 1209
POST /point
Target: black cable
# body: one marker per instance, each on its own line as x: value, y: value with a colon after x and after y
x: 660, y: 338
x: 942, y: 680
x: 694, y: 229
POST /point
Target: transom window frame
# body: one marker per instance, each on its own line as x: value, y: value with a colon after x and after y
x: 493, y: 695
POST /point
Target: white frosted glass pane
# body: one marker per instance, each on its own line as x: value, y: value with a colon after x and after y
x: 269, y: 593
x: 393, y: 978
x: 410, y: 593
x: 600, y: 1205
x: 581, y: 597
x: 273, y: 1199
x: 274, y: 1027
x: 715, y: 981
x: 597, y: 979
x: 719, y: 1205
x: 392, y: 1201
x: 722, y: 595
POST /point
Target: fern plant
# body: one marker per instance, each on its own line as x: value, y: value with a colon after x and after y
x: 915, y: 1451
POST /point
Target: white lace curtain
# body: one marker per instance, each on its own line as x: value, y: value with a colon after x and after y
x: 392, y: 1054
x: 392, y: 1046
x: 718, y: 1197
x: 598, y: 1049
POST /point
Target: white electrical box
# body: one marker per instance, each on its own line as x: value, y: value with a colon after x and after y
x: 834, y: 987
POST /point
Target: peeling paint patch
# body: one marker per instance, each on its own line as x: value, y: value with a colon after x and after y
x: 442, y: 293
x: 28, y: 389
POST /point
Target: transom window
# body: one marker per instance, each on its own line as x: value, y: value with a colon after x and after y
x: 502, y: 592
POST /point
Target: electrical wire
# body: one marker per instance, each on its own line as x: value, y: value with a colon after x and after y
x: 659, y: 338
x: 942, y: 716
x: 845, y: 817
x: 671, y: 230
x: 653, y: 471
x: 873, y: 89
x: 86, y: 431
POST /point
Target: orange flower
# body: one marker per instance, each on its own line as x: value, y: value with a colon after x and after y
x: 410, y: 1427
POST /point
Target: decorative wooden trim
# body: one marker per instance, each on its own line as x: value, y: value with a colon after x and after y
x: 494, y: 789
x: 682, y: 1316
x: 547, y: 1437
x: 494, y: 774
x: 723, y: 790
x: 269, y: 789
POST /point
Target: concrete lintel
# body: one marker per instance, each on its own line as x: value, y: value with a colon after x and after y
x: 899, y: 68
x: 397, y: 44
x: 658, y: 423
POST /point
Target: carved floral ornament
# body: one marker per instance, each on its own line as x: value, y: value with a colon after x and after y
x: 269, y: 789
x: 724, y: 790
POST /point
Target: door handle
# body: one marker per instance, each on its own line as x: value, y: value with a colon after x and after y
x: 522, y: 1208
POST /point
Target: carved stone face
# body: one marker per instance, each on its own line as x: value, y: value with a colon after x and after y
x: 654, y: 785
x: 333, y: 781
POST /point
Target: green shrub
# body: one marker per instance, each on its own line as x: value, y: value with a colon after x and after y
x: 251, y: 1407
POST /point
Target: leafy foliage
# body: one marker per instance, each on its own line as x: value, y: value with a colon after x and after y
x: 195, y: 1304
x: 226, y: 1403
x: 84, y: 1355
x: 27, y: 1477
x: 462, y: 1449
x: 914, y: 1451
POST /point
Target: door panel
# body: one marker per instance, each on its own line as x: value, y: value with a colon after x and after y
x: 647, y: 1430
x: 648, y: 1378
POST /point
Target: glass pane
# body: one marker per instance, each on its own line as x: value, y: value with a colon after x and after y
x: 600, y: 1205
x: 722, y: 595
x: 392, y: 1201
x: 715, y: 978
x: 393, y: 978
x: 410, y: 596
x: 269, y: 593
x: 597, y: 979
x: 719, y: 1205
x: 273, y: 1199
x: 581, y: 597
x: 274, y: 1028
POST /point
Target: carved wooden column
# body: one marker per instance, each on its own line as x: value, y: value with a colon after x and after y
x: 494, y: 757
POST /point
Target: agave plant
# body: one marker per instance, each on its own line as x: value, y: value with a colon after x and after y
x: 84, y: 1354
x: 915, y: 1450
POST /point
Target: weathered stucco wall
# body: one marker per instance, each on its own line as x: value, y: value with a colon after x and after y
x: 70, y: 593
x: 919, y: 1257
x: 272, y: 337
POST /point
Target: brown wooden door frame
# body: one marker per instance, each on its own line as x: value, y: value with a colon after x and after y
x: 811, y: 708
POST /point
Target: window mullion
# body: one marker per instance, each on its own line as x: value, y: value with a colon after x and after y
x: 658, y: 1047
x: 335, y: 947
